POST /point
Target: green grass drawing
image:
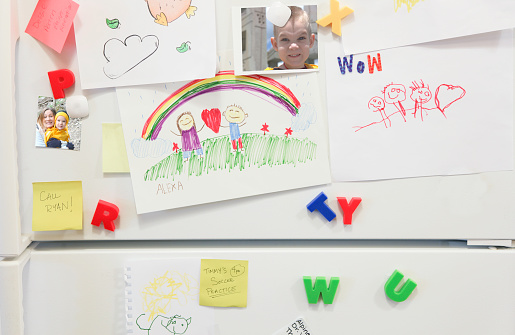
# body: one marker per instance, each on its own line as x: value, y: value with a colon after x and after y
x: 259, y: 150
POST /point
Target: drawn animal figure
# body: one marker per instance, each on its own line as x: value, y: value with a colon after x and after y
x: 166, y: 11
x: 162, y: 325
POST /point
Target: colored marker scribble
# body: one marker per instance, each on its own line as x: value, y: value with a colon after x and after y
x: 162, y: 292
x: 409, y: 4
x: 260, y: 150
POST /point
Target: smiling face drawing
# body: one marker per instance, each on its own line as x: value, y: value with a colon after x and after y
x: 376, y: 103
x: 420, y: 92
x: 394, y: 93
x: 234, y: 114
x: 421, y: 95
x: 185, y: 122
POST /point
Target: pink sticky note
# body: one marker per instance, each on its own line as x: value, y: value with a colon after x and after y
x: 51, y: 22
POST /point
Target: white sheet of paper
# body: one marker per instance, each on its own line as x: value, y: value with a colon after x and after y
x: 271, y: 160
x: 119, y: 43
x: 378, y: 24
x: 297, y: 327
x: 162, y: 297
x: 473, y: 133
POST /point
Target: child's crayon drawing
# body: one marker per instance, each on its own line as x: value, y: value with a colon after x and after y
x: 429, y: 111
x: 122, y: 43
x: 162, y: 297
x: 123, y: 56
x: 159, y: 294
x: 385, y: 24
x: 210, y: 129
x: 161, y: 324
x: 445, y: 95
x: 409, y: 4
x: 166, y: 11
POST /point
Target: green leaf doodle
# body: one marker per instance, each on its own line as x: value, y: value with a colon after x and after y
x: 113, y: 24
x: 185, y: 46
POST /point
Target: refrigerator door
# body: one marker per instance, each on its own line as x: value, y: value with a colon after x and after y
x: 80, y: 289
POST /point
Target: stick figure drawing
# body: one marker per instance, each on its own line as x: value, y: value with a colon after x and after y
x: 376, y: 104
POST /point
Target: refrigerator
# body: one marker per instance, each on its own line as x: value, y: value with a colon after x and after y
x: 451, y: 235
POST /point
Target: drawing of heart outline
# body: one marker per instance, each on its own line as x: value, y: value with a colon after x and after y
x: 447, y: 89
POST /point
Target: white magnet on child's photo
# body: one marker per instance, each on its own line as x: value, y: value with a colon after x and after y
x: 278, y: 14
x: 77, y: 106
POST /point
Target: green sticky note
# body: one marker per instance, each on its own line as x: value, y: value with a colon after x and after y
x: 114, y: 155
x: 57, y: 206
x: 223, y: 283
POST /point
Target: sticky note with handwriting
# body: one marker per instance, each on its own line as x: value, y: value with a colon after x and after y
x: 57, y: 206
x: 223, y: 283
x: 51, y: 22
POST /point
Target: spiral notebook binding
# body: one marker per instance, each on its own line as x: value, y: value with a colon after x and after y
x: 128, y: 300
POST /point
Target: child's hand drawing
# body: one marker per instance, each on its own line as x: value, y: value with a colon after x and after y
x: 444, y: 96
x: 376, y: 104
x: 166, y: 11
x: 394, y: 94
x: 189, y: 136
x: 236, y: 118
x: 421, y: 95
x: 164, y: 325
x: 212, y: 119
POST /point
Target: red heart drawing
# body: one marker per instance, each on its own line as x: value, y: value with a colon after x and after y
x: 212, y: 119
x: 447, y: 95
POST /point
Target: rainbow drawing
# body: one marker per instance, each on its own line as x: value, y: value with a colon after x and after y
x: 223, y: 81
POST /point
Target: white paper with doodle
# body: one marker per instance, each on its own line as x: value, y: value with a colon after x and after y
x: 122, y: 43
x: 297, y: 327
x: 162, y: 297
x: 379, y: 24
x: 440, y: 108
x: 222, y: 138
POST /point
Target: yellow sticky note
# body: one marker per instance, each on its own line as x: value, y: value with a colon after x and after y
x: 223, y: 283
x: 114, y: 155
x: 57, y: 206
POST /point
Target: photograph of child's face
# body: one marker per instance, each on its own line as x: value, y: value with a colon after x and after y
x: 268, y: 47
x: 60, y: 122
x: 54, y: 127
x: 293, y: 42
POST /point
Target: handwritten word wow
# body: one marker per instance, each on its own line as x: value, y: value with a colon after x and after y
x: 347, y: 64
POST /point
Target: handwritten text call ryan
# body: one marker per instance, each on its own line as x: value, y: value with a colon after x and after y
x: 55, y: 202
